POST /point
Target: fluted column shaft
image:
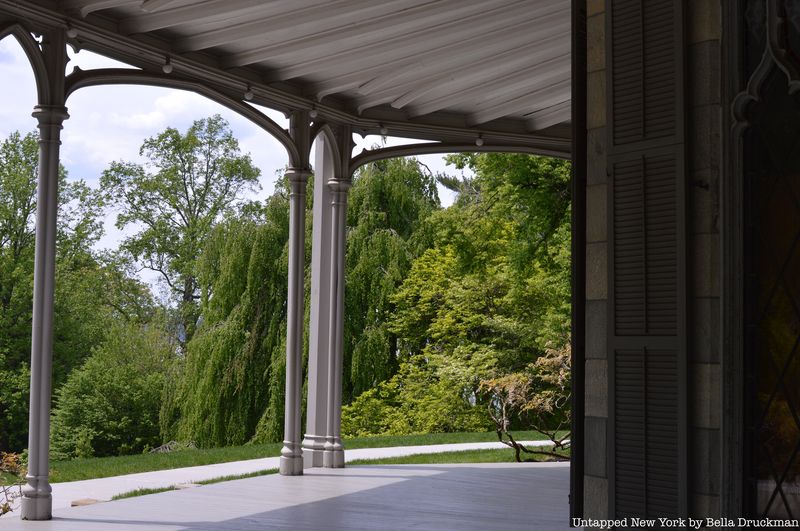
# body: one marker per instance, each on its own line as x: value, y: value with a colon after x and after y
x: 318, y: 334
x: 334, y: 451
x: 37, y: 500
x: 291, y: 462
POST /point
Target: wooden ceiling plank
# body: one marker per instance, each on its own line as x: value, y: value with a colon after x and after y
x: 309, y: 21
x: 460, y: 89
x: 206, y: 10
x: 153, y: 6
x: 554, y: 54
x: 398, y: 49
x: 559, y: 113
x: 529, y: 79
x: 335, y: 43
x: 459, y: 57
x: 494, y: 48
x: 535, y: 100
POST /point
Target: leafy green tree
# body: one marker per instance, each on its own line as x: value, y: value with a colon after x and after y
x: 110, y: 405
x: 389, y: 202
x: 18, y: 168
x: 187, y: 184
x: 231, y: 383
x: 492, y: 294
x: 499, y: 272
x: 14, y: 397
x: 78, y: 327
x: 232, y: 380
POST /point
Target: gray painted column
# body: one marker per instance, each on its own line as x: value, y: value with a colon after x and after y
x: 334, y: 451
x: 291, y: 462
x: 317, y: 402
x: 37, y: 500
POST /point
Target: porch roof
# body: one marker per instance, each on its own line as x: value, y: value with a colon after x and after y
x: 456, y: 71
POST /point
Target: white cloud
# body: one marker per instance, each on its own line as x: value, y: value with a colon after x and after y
x: 87, y: 60
x: 19, y: 95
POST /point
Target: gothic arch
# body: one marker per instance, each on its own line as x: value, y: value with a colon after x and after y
x: 120, y: 76
x: 35, y: 58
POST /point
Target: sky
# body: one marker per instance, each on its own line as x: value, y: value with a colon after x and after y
x: 109, y: 123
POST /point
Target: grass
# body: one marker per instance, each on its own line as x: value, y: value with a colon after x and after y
x: 7, y: 478
x: 239, y: 476
x: 446, y: 458
x: 141, y: 492
x: 101, y: 467
x: 145, y: 492
x: 464, y: 456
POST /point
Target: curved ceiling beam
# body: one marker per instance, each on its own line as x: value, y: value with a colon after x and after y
x: 120, y: 76
x: 87, y: 7
x: 34, y: 54
x: 559, y: 149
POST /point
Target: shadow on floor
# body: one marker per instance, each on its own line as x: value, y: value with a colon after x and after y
x: 461, y: 498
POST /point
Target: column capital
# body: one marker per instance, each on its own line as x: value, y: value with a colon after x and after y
x: 339, y: 185
x: 50, y: 114
x: 298, y: 175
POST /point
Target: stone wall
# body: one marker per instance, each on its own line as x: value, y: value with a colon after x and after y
x: 596, y: 375
x: 703, y: 133
x: 704, y: 150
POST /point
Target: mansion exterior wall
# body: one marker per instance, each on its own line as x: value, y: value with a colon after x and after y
x: 704, y: 127
x: 595, y: 501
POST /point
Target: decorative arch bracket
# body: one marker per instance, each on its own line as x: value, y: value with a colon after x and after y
x: 123, y: 76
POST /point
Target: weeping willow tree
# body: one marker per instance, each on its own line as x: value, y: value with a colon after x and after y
x: 231, y: 382
x: 389, y: 203
x: 230, y: 386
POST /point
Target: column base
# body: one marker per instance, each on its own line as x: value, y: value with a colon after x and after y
x: 313, y: 450
x: 291, y: 466
x: 291, y: 462
x: 333, y: 457
x: 36, y: 508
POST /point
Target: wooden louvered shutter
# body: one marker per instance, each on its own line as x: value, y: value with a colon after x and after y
x: 647, y: 258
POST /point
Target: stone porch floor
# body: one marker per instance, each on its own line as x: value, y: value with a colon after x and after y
x: 502, y: 496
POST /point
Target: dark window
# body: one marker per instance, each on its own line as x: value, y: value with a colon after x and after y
x: 772, y: 302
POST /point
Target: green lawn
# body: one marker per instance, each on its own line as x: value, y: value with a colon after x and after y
x: 101, y: 467
x: 464, y: 456
x: 141, y: 492
x: 144, y: 492
x: 8, y: 479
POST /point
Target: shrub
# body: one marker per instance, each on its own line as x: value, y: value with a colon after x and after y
x: 110, y: 405
x: 12, y: 476
x: 415, y: 400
